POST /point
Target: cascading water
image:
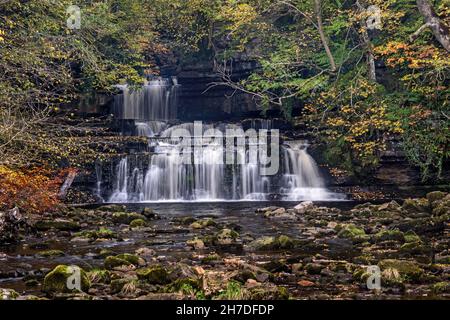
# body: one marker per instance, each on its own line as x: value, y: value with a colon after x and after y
x: 301, y: 179
x: 156, y: 100
x: 199, y: 172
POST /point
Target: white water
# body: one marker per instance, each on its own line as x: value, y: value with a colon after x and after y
x: 156, y: 100
x: 204, y: 177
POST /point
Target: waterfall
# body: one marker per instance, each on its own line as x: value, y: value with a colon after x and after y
x: 121, y: 191
x: 197, y: 171
x: 156, y: 100
x: 99, y: 175
x: 301, y: 179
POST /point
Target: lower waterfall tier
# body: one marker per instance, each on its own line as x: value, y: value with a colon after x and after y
x: 179, y: 173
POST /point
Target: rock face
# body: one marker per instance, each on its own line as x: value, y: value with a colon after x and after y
x: 9, y: 225
x: 217, y: 103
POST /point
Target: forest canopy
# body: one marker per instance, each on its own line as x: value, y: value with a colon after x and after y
x: 362, y: 71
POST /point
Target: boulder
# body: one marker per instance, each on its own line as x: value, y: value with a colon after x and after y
x: 409, y: 270
x: 303, y: 207
x: 387, y: 235
x: 155, y: 274
x: 435, y: 196
x: 58, y: 224
x: 9, y: 225
x: 353, y: 233
x: 8, y: 294
x: 125, y: 217
x: 63, y: 279
x: 416, y: 205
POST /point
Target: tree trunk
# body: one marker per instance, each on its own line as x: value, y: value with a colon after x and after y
x: 66, y: 185
x: 323, y: 38
x: 440, y: 31
x: 368, y: 45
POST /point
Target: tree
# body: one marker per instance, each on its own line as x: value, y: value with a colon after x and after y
x: 440, y: 30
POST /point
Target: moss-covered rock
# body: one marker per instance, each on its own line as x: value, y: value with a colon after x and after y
x: 314, y: 268
x: 416, y: 205
x: 268, y: 292
x: 62, y: 279
x: 99, y: 276
x: 124, y: 259
x: 441, y: 287
x: 155, y: 274
x: 196, y: 243
x: 387, y: 235
x: 180, y: 284
x: 263, y: 243
x: 138, y: 223
x: 225, y: 236
x: 442, y: 207
x: 8, y: 294
x: 51, y: 253
x: 284, y: 242
x: 204, y: 223
x: 58, y: 224
x: 409, y: 270
x: 113, y: 208
x: 414, y: 248
x: 411, y: 236
x: 126, y: 217
x: 353, y: 233
x: 435, y: 196
x: 102, y: 233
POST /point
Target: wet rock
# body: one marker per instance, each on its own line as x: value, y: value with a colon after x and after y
x: 99, y: 276
x: 272, y: 243
x: 314, y: 268
x: 201, y: 224
x: 442, y: 207
x: 51, y: 253
x: 225, y: 237
x: 145, y: 252
x: 276, y: 265
x: 150, y: 214
x: 441, y: 287
x: 102, y: 233
x: 162, y: 296
x: 407, y: 269
x: 9, y: 225
x: 281, y: 213
x: 353, y: 233
x: 126, y: 218
x: 389, y: 206
x: 269, y: 292
x: 8, y: 294
x: 185, y: 220
x: 112, y: 208
x: 155, y: 274
x: 196, y: 243
x: 62, y: 280
x: 389, y: 235
x: 124, y: 259
x: 58, y: 224
x: 415, y: 248
x: 411, y: 236
x: 435, y: 196
x: 416, y: 205
x: 137, y: 223
x: 303, y: 207
x: 267, y: 209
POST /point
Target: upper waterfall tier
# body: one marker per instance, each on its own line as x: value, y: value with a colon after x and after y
x: 156, y: 100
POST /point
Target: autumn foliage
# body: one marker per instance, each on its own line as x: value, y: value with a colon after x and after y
x: 32, y: 190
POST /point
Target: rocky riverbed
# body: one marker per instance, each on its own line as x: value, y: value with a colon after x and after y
x: 232, y: 251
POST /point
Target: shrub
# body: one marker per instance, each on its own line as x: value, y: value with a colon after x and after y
x: 31, y: 190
